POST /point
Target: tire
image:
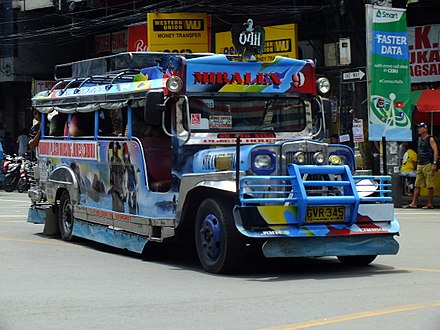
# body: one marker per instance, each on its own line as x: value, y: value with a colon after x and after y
x: 219, y: 245
x: 357, y: 260
x: 65, y: 216
x: 22, y: 185
x: 9, y: 187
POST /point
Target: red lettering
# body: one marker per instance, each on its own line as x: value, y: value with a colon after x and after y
x: 422, y: 57
x: 275, y: 79
x: 434, y: 56
x: 247, y: 78
x: 236, y: 78
x: 259, y: 78
x: 422, y: 37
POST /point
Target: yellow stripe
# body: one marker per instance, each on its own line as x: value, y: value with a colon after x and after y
x: 419, y: 269
x: 35, y: 241
x: 350, y: 317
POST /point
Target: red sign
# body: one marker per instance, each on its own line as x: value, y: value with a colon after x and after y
x: 137, y: 37
x: 68, y: 149
x: 424, y: 49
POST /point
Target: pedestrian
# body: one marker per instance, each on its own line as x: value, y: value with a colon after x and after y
x: 428, y: 154
x: 22, y: 142
x: 401, y: 152
x: 409, y: 165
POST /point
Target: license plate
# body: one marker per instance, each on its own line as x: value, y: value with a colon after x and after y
x: 325, y: 214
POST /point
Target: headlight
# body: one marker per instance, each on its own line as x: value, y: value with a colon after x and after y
x: 299, y: 157
x: 323, y: 85
x: 319, y: 158
x: 262, y: 161
x: 174, y: 84
x: 334, y: 160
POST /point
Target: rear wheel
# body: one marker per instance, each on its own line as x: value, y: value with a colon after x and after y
x: 219, y: 245
x: 9, y: 186
x: 357, y: 260
x: 65, y: 216
x: 22, y: 185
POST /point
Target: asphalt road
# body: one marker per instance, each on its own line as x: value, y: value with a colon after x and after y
x: 46, y: 283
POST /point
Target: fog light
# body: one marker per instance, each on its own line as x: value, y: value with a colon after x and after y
x: 334, y: 159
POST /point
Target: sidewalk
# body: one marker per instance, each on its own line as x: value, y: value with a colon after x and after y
x: 400, y: 200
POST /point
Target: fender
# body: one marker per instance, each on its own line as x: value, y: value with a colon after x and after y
x: 222, y: 181
x: 62, y: 177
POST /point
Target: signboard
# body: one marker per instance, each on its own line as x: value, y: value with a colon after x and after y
x: 137, y: 37
x: 115, y: 42
x: 178, y: 32
x: 358, y: 130
x: 280, y: 40
x: 424, y: 51
x: 42, y: 85
x: 68, y: 149
x: 353, y: 75
x: 388, y: 63
x: 7, y: 69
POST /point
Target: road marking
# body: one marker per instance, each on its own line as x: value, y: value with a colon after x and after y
x: 430, y: 270
x: 13, y: 216
x: 9, y: 221
x: 36, y: 242
x: 15, y: 201
x: 356, y: 316
x: 416, y: 213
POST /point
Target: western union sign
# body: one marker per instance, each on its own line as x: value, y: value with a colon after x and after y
x: 281, y: 40
x: 178, y: 32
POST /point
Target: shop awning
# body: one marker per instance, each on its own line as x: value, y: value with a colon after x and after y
x: 427, y: 100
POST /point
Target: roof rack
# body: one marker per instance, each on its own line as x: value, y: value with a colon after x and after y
x: 111, y: 65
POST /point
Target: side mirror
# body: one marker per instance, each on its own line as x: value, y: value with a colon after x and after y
x: 154, y: 106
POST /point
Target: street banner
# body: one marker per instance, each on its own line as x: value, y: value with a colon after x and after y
x: 388, y: 67
x: 280, y: 40
x: 424, y: 53
x: 178, y: 32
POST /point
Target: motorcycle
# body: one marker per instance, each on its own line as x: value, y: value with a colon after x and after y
x: 26, y: 176
x: 12, y: 174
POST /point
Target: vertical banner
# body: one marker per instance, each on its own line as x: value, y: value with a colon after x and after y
x: 388, y: 65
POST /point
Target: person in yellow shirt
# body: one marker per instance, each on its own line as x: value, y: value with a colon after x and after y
x: 409, y: 167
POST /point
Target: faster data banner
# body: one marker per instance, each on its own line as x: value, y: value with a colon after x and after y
x: 388, y: 64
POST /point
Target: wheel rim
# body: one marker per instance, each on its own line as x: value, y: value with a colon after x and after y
x: 210, y: 237
x: 67, y: 215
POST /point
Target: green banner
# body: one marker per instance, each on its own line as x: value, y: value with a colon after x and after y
x: 388, y: 64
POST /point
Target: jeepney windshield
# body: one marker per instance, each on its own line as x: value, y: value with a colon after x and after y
x: 279, y: 114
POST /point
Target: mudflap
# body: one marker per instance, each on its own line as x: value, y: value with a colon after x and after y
x: 44, y: 214
x: 330, y: 246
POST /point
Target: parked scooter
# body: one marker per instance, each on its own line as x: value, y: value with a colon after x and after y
x: 12, y: 175
x: 26, y: 176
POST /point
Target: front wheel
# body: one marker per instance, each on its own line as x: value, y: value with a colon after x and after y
x: 219, y: 245
x: 357, y: 260
x: 65, y: 216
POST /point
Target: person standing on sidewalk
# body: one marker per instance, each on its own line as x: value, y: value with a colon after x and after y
x: 426, y: 166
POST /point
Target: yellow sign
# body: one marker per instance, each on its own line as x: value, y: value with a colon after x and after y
x: 178, y: 32
x: 281, y: 40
